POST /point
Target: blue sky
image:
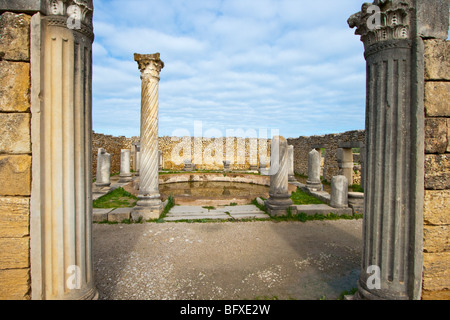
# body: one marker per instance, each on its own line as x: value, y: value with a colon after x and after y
x: 290, y: 65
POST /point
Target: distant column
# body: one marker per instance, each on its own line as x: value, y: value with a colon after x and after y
x: 149, y: 205
x: 291, y: 176
x: 345, y: 162
x: 125, y: 173
x: 339, y: 192
x: 280, y: 198
x: 103, y: 169
x: 313, y: 183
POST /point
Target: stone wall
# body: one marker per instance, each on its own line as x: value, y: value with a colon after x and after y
x: 112, y: 145
x: 436, y: 277
x: 174, y: 150
x: 15, y: 156
x: 330, y: 142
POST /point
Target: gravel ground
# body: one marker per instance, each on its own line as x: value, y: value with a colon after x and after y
x: 227, y: 260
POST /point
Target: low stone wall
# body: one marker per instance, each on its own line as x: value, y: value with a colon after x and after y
x: 330, y: 142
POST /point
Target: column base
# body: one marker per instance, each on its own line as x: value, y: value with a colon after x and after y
x: 125, y: 178
x: 291, y: 178
x: 278, y: 205
x: 313, y: 185
x: 147, y: 208
x: 101, y: 185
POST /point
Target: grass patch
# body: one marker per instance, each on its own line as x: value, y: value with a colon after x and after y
x: 346, y: 293
x: 209, y: 207
x: 233, y: 204
x: 357, y: 188
x: 300, y: 197
x: 118, y: 198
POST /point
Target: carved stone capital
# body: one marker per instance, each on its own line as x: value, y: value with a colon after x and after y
x: 71, y: 14
x: 149, y: 64
x: 383, y: 20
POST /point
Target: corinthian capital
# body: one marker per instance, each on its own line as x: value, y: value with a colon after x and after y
x: 149, y: 64
x: 383, y: 20
x: 78, y: 9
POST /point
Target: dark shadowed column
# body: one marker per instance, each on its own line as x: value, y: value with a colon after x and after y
x: 394, y: 155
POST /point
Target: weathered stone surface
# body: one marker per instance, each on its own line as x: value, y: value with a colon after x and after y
x: 339, y: 192
x: 436, y: 206
x: 432, y: 16
x: 437, y: 96
x: 14, y: 217
x: 436, y: 238
x: 448, y: 135
x: 435, y: 135
x: 14, y: 253
x: 15, y: 36
x: 436, y: 295
x: 437, y: 64
x: 15, y: 133
x: 15, y: 175
x: 436, y: 271
x: 14, y: 86
x: 15, y: 284
x: 437, y: 171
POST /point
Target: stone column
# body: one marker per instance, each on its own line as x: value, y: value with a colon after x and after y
x: 339, y: 192
x: 313, y: 183
x: 149, y: 205
x: 345, y: 162
x: 125, y: 173
x: 103, y: 169
x: 279, y: 197
x: 291, y: 175
x: 394, y: 156
x: 226, y: 165
x: 160, y: 160
x: 61, y: 199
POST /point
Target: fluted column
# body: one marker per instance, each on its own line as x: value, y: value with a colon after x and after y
x: 61, y: 200
x: 149, y: 205
x: 279, y: 196
x: 393, y: 176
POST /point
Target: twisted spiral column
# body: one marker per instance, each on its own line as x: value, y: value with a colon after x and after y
x: 149, y: 205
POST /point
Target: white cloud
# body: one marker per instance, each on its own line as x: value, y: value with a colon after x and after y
x: 286, y: 64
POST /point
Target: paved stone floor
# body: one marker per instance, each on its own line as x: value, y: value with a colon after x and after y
x: 227, y: 260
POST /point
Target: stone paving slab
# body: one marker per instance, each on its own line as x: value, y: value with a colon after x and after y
x: 120, y: 214
x: 312, y: 209
x: 222, y: 213
x: 99, y: 215
x: 197, y: 217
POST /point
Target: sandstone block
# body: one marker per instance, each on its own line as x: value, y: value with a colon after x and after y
x: 14, y: 253
x: 436, y: 204
x: 437, y: 64
x: 15, y: 36
x: 436, y: 238
x: 14, y: 217
x: 15, y: 133
x: 15, y: 175
x: 448, y: 135
x: 436, y: 271
x: 14, y: 284
x: 437, y: 96
x: 436, y: 135
x: 437, y: 171
x: 14, y: 86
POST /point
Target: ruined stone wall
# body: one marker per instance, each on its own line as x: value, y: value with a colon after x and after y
x: 436, y: 274
x: 303, y: 145
x: 112, y: 145
x: 15, y: 156
x: 175, y: 150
